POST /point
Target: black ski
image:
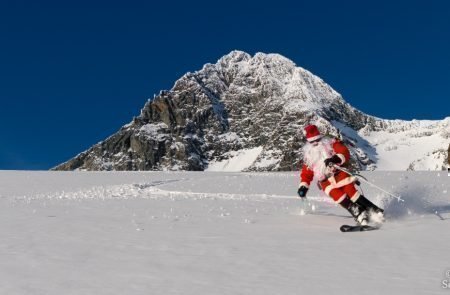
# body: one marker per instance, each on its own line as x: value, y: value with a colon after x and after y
x: 352, y: 228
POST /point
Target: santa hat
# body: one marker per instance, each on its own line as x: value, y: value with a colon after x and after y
x: 312, y: 133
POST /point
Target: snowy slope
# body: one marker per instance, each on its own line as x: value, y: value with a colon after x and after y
x: 236, y: 160
x: 403, y: 145
x: 215, y: 233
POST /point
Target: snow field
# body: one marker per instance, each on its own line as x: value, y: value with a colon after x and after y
x: 215, y: 233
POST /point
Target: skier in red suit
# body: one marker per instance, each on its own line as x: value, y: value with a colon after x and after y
x: 320, y: 155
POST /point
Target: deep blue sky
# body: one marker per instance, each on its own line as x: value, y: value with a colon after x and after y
x: 72, y: 73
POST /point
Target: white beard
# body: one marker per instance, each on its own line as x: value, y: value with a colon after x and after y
x: 315, y: 155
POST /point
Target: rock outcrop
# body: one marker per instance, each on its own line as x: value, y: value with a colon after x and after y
x: 448, y: 156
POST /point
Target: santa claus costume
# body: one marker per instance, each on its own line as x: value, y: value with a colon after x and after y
x: 320, y: 155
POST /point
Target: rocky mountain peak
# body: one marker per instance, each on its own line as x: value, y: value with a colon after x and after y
x: 243, y: 112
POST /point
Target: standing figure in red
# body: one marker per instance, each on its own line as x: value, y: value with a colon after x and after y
x: 320, y: 155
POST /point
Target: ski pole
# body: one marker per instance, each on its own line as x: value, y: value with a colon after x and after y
x: 368, y: 182
x: 303, y: 206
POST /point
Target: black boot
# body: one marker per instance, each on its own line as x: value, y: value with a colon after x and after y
x: 368, y: 205
x: 375, y: 213
x: 358, y: 212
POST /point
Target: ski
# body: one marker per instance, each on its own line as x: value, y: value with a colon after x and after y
x: 354, y: 228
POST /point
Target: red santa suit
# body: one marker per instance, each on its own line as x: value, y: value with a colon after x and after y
x: 335, y: 183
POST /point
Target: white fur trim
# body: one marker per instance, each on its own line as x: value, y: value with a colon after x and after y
x: 333, y: 184
x: 341, y: 199
x: 342, y: 157
x: 346, y: 181
x: 303, y: 184
x: 314, y: 138
x: 328, y: 189
x: 355, y: 197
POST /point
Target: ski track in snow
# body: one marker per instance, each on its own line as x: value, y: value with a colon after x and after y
x: 216, y: 233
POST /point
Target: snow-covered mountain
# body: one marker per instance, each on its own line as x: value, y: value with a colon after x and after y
x: 246, y: 113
